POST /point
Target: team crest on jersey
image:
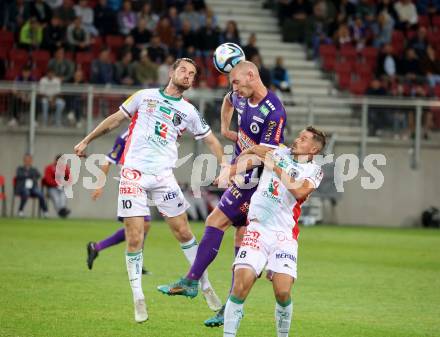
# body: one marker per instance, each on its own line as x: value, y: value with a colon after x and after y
x: 177, y: 120
x: 161, y: 129
x: 264, y: 110
x: 255, y: 128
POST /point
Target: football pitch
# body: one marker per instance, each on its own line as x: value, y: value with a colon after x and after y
x: 352, y: 282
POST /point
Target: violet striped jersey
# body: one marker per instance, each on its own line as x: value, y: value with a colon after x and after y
x: 157, y: 120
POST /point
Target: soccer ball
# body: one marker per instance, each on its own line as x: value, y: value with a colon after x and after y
x: 226, y: 56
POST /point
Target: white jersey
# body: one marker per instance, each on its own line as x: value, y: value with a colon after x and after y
x: 272, y: 205
x: 156, y: 121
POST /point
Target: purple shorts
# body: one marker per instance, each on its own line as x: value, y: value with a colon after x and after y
x: 146, y: 218
x: 235, y: 204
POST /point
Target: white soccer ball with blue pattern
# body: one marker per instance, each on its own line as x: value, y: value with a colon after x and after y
x: 226, y: 56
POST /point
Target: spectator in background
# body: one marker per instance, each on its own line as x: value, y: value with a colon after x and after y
x: 77, y: 37
x: 124, y: 70
x: 55, y: 191
x: 419, y: 42
x: 342, y: 36
x: 157, y: 51
x: 174, y: 18
x: 130, y: 46
x: 105, y: 19
x: 164, y: 70
x: 208, y: 38
x: 430, y: 66
x: 358, y: 32
x: 102, y: 71
x: 347, y: 9
x: 66, y: 13
x: 208, y: 13
x: 365, y: 8
x: 146, y: 71
x: 177, y: 50
x: 295, y: 24
x: 150, y: 18
x: 410, y: 66
x: 20, y: 100
x: 231, y: 33
x: 188, y: 35
x: 141, y: 35
x: 190, y: 15
x: 54, y: 4
x: 16, y: 14
x: 251, y: 48
x: 387, y: 63
x: 41, y: 11
x: 54, y: 35
x: 377, y: 116
x: 76, y: 103
x: 114, y: 5
x: 26, y: 185
x: 49, y: 90
x: 127, y: 19
x: 264, y: 72
x: 406, y: 15
x: 280, y: 76
x: 165, y: 31
x: 61, y: 67
x: 383, y: 29
x: 87, y: 17
x: 387, y: 6
x: 31, y: 34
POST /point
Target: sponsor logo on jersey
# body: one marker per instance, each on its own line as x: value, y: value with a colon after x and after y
x: 264, y: 110
x: 244, y: 141
x: 251, y: 239
x: 244, y: 208
x: 151, y: 105
x: 170, y: 196
x: 271, y: 106
x: 272, y: 191
x: 161, y: 129
x: 235, y: 192
x: 285, y: 256
x: 130, y: 174
x: 125, y: 189
x: 242, y: 103
x: 258, y: 119
x: 270, y: 128
x: 166, y: 112
x: 157, y: 139
x: 255, y: 128
x: 240, y: 111
x: 279, y: 129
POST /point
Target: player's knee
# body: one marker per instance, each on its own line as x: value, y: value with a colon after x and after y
x: 134, y: 240
x: 282, y: 295
x: 240, y: 288
x: 214, y: 221
x: 183, y: 234
x: 147, y: 226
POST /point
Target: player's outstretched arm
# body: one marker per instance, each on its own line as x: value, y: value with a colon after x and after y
x: 108, y: 124
x: 101, y: 179
x: 227, y: 111
x: 215, y: 147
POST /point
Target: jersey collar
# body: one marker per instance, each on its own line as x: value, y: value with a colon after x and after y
x: 162, y: 92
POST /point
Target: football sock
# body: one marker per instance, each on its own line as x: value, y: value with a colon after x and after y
x: 190, y: 251
x: 134, y: 268
x: 283, y: 317
x: 206, y: 253
x: 114, y: 239
x: 232, y: 316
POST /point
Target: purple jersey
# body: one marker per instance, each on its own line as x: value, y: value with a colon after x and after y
x: 261, y: 124
x: 114, y: 156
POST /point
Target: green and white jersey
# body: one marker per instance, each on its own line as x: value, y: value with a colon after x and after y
x: 272, y: 205
x: 156, y: 121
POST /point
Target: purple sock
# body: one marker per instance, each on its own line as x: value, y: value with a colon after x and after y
x: 112, y: 240
x: 206, y: 253
x: 236, y: 249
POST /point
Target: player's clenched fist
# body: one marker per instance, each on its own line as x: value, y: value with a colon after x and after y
x: 80, y: 149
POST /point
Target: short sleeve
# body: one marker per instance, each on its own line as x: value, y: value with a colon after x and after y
x: 315, y: 176
x: 114, y: 156
x: 131, y: 104
x: 198, y: 126
x: 272, y: 133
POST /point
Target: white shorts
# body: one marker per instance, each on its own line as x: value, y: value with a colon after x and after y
x: 264, y: 247
x: 138, y: 191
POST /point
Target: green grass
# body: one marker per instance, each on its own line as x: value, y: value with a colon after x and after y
x: 352, y: 282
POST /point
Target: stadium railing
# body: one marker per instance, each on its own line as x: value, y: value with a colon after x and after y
x: 361, y: 120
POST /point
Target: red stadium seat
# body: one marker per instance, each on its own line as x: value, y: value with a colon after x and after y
x: 328, y: 63
x: 40, y: 59
x: 437, y: 90
x: 97, y: 45
x: 436, y: 22
x: 18, y: 58
x: 114, y: 42
x: 358, y: 87
x: 344, y: 66
x: 369, y: 54
x: 6, y: 40
x: 398, y: 42
x: 343, y: 76
x: 12, y: 73
x: 327, y: 50
x: 424, y: 21
x: 348, y: 53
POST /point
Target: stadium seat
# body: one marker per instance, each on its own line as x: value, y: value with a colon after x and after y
x: 398, y: 42
x: 436, y: 23
x: 424, y: 21
x: 40, y: 59
x: 3, y: 198
x: 348, y: 53
x: 114, y: 42
x: 369, y: 54
x: 358, y: 87
x: 97, y: 45
x: 84, y: 61
x: 12, y: 73
x: 6, y: 40
x: 437, y: 90
x: 343, y: 74
x: 18, y: 58
x: 37, y: 73
x: 327, y: 50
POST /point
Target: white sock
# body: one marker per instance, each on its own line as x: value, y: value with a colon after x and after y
x: 283, y: 318
x: 232, y: 316
x: 134, y: 263
x: 190, y: 251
